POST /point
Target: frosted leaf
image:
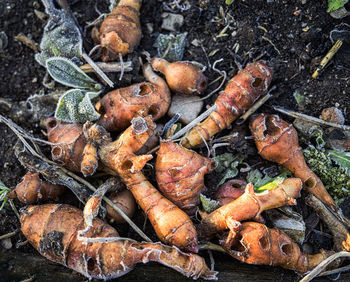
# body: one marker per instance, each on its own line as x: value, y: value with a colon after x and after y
x: 208, y: 204
x: 61, y: 36
x: 75, y: 106
x: 66, y: 72
x: 342, y: 159
x: 112, y: 5
x: 171, y: 47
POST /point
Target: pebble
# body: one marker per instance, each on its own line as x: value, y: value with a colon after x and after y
x: 6, y: 243
x: 149, y: 27
x: 187, y: 111
x: 172, y: 22
x: 333, y: 114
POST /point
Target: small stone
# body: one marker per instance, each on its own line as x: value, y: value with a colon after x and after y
x: 6, y: 243
x: 149, y: 27
x: 333, y: 114
x: 339, y: 13
x: 172, y: 22
x: 180, y: 104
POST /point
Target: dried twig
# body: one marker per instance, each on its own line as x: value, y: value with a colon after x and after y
x: 318, y: 269
x: 28, y: 42
x: 311, y: 119
x: 9, y: 235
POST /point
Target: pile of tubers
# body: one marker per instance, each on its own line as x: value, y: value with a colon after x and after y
x: 86, y: 244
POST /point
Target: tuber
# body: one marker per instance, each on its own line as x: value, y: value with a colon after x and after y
x: 229, y: 191
x: 120, y: 32
x: 277, y: 141
x: 180, y: 175
x: 53, y: 231
x: 255, y: 243
x: 182, y: 77
x: 239, y: 95
x: 31, y: 189
x: 125, y: 201
x: 249, y: 205
x: 172, y: 225
x: 70, y: 143
x: 119, y: 107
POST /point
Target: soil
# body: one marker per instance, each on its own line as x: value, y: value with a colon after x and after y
x: 292, y: 35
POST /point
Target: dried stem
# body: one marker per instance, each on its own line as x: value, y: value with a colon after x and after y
x: 98, y: 71
x: 109, y: 67
x: 318, y: 269
x: 212, y: 247
x: 194, y: 123
x: 311, y: 119
x: 9, y: 235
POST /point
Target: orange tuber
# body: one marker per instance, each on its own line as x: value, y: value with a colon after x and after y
x: 249, y: 205
x: 180, y: 175
x: 254, y: 243
x: 172, y: 225
x: 277, y: 141
x: 182, y: 77
x: 31, y: 189
x: 120, y: 32
x: 119, y: 107
x: 230, y: 191
x: 239, y: 95
x: 53, y: 231
x: 70, y: 143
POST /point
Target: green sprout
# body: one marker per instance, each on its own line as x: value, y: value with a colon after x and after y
x: 3, y: 198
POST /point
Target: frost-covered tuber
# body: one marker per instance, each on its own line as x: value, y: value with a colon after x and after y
x: 182, y: 77
x: 230, y: 191
x: 120, y: 32
x: 120, y: 106
x: 53, y: 231
x: 32, y: 189
x: 180, y: 175
x: 70, y: 143
x: 254, y: 243
x: 172, y: 225
x: 277, y: 141
x: 249, y: 205
x: 239, y: 95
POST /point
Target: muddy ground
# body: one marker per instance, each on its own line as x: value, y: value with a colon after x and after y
x: 292, y: 35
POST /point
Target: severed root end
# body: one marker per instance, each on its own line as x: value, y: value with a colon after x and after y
x: 112, y: 45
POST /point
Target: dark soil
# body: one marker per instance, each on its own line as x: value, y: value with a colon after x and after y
x: 291, y: 35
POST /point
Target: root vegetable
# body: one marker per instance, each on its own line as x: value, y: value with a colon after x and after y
x: 120, y: 106
x: 230, y: 191
x: 31, y: 189
x: 180, y: 175
x: 172, y: 225
x: 277, y: 141
x: 125, y: 201
x: 53, y: 229
x: 249, y: 205
x: 254, y: 243
x: 239, y: 95
x: 120, y: 32
x: 182, y: 77
x: 70, y: 143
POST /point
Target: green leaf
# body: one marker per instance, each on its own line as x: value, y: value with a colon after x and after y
x: 208, y: 204
x: 264, y: 182
x: 342, y: 159
x: 61, y: 36
x: 75, y: 106
x: 66, y: 72
x: 229, y: 2
x: 171, y: 47
x: 270, y: 186
x: 227, y: 164
x: 334, y: 5
x: 3, y: 194
x: 230, y: 173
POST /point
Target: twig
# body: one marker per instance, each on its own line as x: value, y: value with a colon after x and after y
x: 98, y: 71
x: 327, y: 58
x: 334, y: 271
x: 9, y: 235
x: 122, y: 66
x: 193, y: 123
x: 28, y: 42
x: 256, y: 106
x: 109, y: 67
x: 318, y: 269
x: 273, y: 45
x: 311, y: 119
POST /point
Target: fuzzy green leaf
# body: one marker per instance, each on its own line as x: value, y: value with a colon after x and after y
x: 342, y: 159
x: 75, y: 106
x: 208, y: 204
x: 66, y: 72
x: 334, y: 5
x: 264, y: 182
x: 227, y: 164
